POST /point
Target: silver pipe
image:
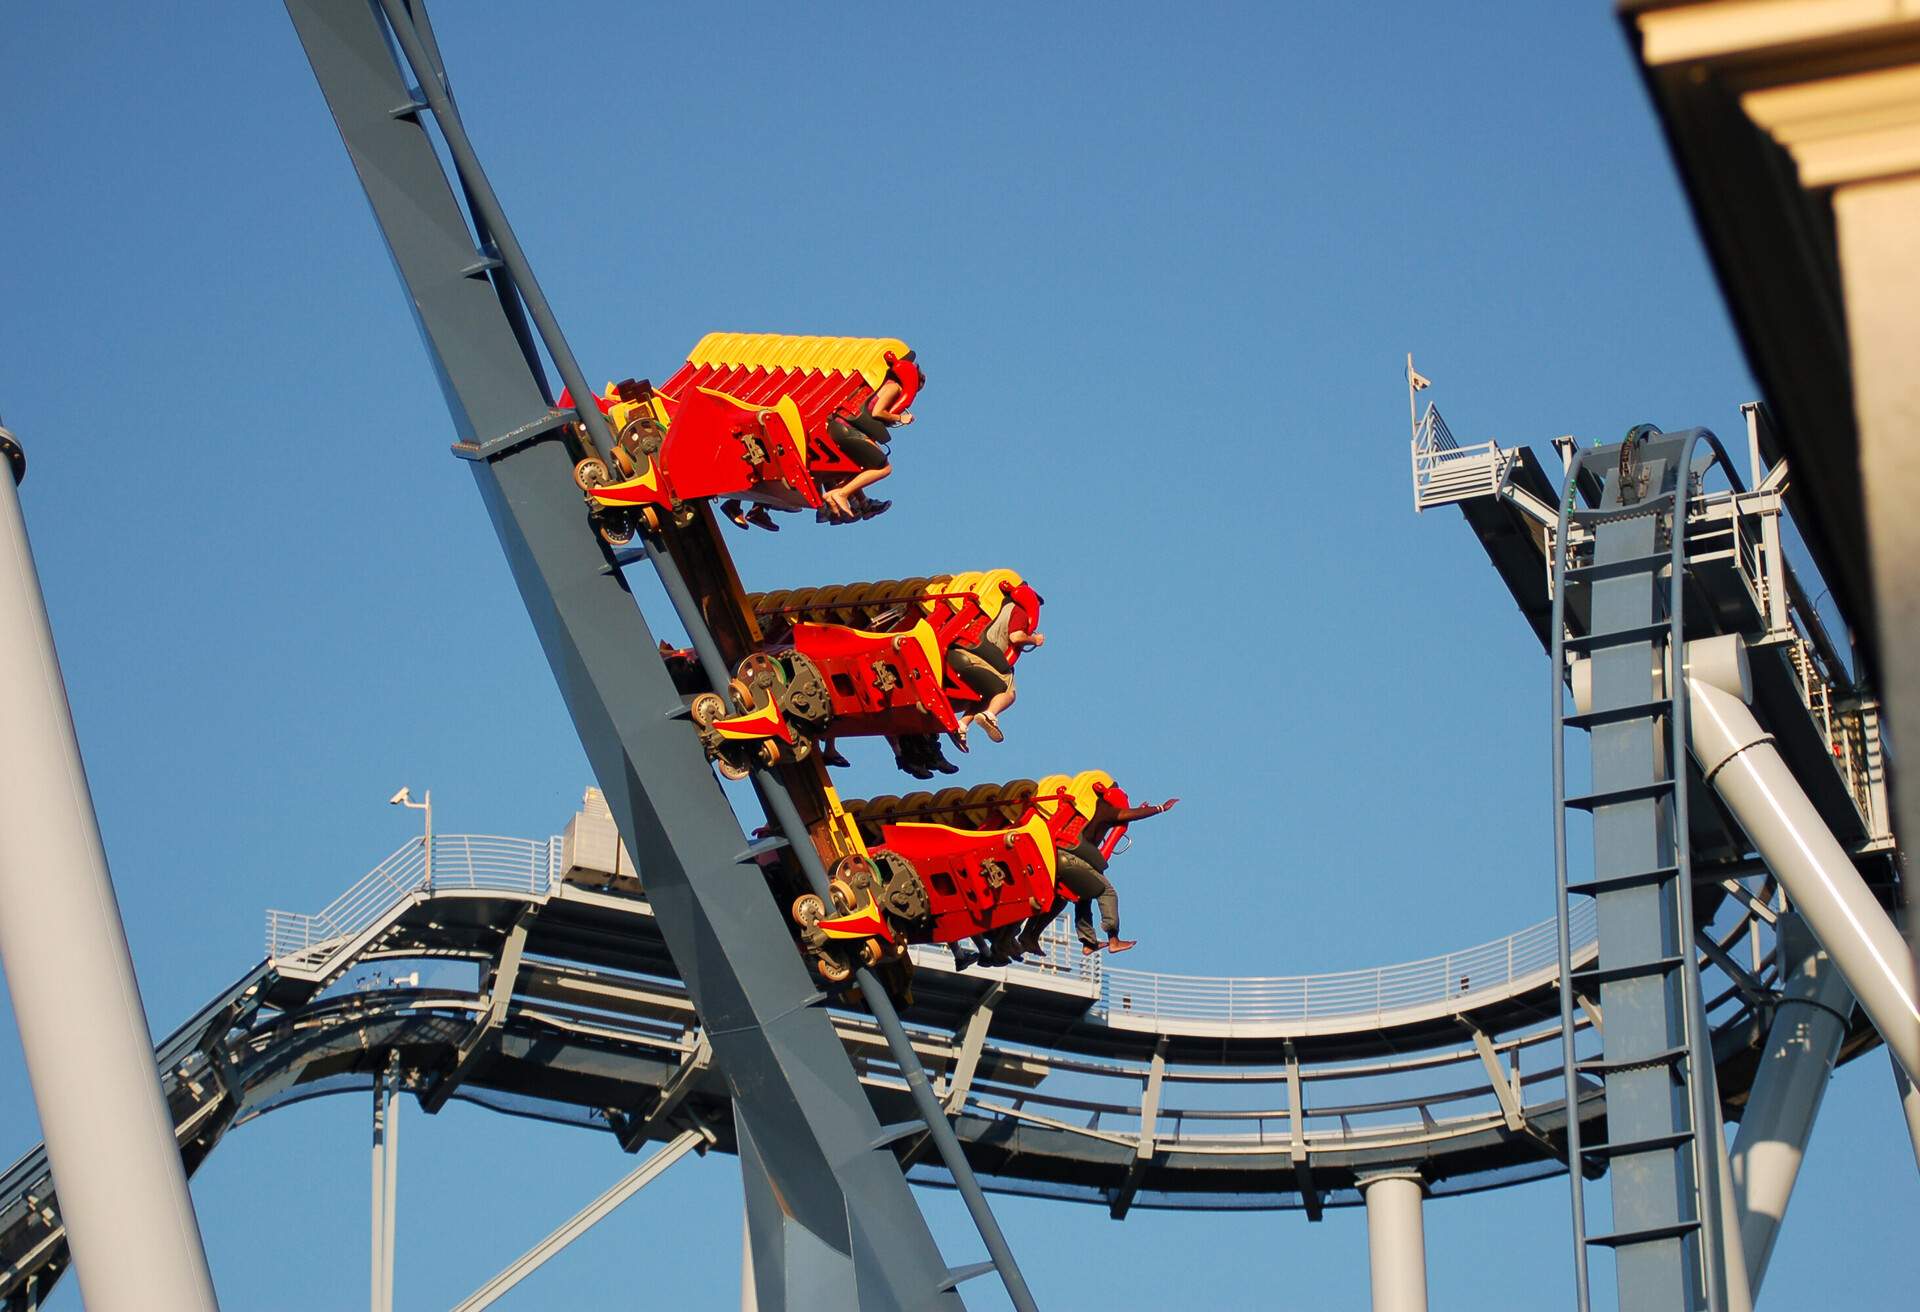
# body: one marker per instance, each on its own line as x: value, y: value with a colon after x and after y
x: 1396, y: 1241
x: 1809, y: 1022
x: 1909, y: 1106
x: 123, y: 1193
x: 1741, y: 762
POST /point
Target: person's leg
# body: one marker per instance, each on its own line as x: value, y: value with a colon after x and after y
x: 1087, y: 885
x: 989, y: 719
x: 1110, y: 918
x: 838, y: 497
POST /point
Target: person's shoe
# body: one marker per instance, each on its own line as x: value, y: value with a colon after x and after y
x: 872, y: 508
x: 760, y: 518
x: 961, y: 957
x: 986, y: 721
x: 959, y: 739
x: 832, y: 756
x: 943, y: 765
x: 735, y: 513
x: 1121, y: 944
x: 917, y: 771
x: 1030, y: 944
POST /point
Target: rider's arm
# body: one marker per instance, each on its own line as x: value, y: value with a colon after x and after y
x: 883, y: 400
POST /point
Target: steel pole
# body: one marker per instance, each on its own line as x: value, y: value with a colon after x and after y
x: 378, y: 1209
x: 1396, y: 1241
x: 1739, y: 759
x: 1909, y: 1106
x: 110, y: 1138
x: 1809, y: 1022
x: 391, y: 1211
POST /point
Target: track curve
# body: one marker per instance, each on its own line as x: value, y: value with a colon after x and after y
x: 1062, y: 1082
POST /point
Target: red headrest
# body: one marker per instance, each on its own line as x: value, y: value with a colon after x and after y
x: 566, y: 401
x: 908, y: 375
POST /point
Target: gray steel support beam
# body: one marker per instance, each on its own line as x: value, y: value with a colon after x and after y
x: 585, y: 1219
x: 1396, y: 1240
x: 1144, y: 1149
x: 647, y: 1125
x: 795, y: 1088
x: 485, y: 1036
x: 1646, y: 1013
x: 1809, y: 1022
x: 83, y: 1030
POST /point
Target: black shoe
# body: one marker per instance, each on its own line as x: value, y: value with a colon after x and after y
x: 943, y: 765
x: 834, y: 758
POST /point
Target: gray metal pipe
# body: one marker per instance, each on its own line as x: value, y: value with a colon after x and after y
x: 1808, y: 1024
x: 123, y: 1194
x: 1741, y: 762
x: 1396, y: 1241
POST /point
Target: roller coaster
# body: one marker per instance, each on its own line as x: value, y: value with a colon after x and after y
x: 656, y: 974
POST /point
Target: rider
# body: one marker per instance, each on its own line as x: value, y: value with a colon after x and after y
x: 987, y: 667
x: 864, y: 436
x: 1083, y: 869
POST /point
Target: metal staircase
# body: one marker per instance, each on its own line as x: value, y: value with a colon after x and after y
x: 1619, y: 580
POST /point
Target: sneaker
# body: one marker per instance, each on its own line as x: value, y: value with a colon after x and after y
x: 986, y: 721
x: 1030, y: 944
x: 944, y: 766
x: 959, y: 739
x: 760, y: 518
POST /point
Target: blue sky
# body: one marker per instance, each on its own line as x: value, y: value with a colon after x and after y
x: 1162, y: 264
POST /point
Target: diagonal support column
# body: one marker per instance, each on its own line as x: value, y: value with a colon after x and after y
x: 1809, y: 1022
x: 795, y: 1088
x: 586, y: 1218
x: 83, y: 1030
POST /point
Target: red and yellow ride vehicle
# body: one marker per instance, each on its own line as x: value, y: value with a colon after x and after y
x: 758, y: 417
x: 895, y: 658
x: 944, y: 867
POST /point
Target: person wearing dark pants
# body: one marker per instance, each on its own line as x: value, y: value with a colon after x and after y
x: 1082, y: 869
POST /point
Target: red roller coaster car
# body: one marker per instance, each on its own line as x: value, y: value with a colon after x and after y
x: 945, y: 867
x: 749, y: 416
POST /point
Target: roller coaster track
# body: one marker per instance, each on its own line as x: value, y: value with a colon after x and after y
x: 1117, y: 1088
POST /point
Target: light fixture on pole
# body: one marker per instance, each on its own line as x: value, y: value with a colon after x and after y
x: 405, y: 798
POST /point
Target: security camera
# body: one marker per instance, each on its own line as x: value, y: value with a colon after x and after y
x: 401, y: 798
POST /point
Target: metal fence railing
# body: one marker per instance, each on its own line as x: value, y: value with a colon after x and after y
x: 460, y: 861
x: 1454, y: 977
x: 519, y: 865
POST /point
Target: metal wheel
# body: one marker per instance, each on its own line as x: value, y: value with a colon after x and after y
x: 759, y: 670
x: 832, y: 968
x: 591, y: 473
x: 729, y: 770
x: 617, y: 530
x: 873, y: 952
x: 650, y: 516
x: 808, y: 910
x: 844, y: 898
x: 805, y: 696
x: 707, y: 708
x: 741, y: 694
